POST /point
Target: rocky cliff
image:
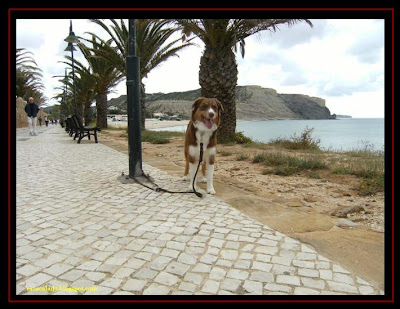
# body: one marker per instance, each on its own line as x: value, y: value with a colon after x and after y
x: 252, y: 103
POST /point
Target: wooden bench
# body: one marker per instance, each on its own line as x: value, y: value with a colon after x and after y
x: 69, y: 126
x: 82, y: 131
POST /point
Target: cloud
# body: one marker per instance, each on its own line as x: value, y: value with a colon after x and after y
x: 368, y: 49
x: 294, y: 79
x: 370, y: 81
x: 299, y: 33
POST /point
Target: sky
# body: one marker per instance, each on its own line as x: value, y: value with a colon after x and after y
x: 339, y: 60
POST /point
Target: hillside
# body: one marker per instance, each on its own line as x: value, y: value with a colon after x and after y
x: 252, y: 103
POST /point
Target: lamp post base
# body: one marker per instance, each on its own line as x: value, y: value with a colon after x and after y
x: 126, y: 179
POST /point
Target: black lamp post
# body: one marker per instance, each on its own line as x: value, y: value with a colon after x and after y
x: 71, y: 39
x: 134, y: 109
x: 133, y: 101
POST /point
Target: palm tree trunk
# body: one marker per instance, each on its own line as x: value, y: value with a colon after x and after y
x: 87, y: 114
x: 143, y: 106
x: 79, y: 112
x: 101, y: 107
x: 218, y: 79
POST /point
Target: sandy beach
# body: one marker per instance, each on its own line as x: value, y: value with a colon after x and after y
x: 151, y: 124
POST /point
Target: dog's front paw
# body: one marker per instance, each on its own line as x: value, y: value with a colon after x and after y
x: 211, y: 191
x: 186, y: 178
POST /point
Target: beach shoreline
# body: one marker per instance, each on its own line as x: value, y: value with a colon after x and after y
x: 151, y: 124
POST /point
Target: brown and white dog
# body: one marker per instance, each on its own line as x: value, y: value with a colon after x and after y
x: 202, y: 128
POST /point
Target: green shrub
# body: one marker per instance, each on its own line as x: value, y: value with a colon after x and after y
x: 242, y: 157
x: 303, y: 142
x: 159, y: 137
x: 238, y: 138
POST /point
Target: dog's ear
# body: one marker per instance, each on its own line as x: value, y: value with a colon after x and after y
x: 196, y: 105
x: 220, y: 110
x: 220, y: 107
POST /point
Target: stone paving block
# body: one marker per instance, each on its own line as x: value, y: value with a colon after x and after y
x: 111, y: 283
x: 305, y: 291
x: 339, y: 269
x: 177, y: 268
x: 95, y: 276
x: 37, y: 280
x: 366, y: 290
x: 145, y: 273
x: 187, y: 259
x: 160, y: 262
x: 285, y: 279
x: 238, y: 274
x: 261, y: 266
x: 28, y: 270
x: 156, y: 289
x: 170, y: 252
x: 89, y: 265
x: 57, y: 269
x: 202, y: 268
x: 341, y: 287
x: 253, y: 287
x: 193, y: 278
x: 217, y: 273
x: 73, y: 275
x: 313, y: 283
x: 167, y: 279
x: 230, y: 284
x: 210, y: 286
x: 262, y: 276
x: 187, y: 286
x: 339, y: 277
x: 306, y: 272
x: 134, y: 285
x: 303, y: 264
x: 325, y: 274
x: 273, y: 287
x: 134, y: 263
x: 242, y: 264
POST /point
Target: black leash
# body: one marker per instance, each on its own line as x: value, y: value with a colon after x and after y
x: 159, y: 189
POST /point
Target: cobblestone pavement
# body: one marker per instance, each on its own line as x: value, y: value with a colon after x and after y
x: 80, y: 227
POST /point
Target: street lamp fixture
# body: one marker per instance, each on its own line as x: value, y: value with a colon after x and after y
x: 70, y: 47
x: 71, y: 39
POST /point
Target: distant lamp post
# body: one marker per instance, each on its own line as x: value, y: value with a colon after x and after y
x: 71, y: 39
x: 65, y: 97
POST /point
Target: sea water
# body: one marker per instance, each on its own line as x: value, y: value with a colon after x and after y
x: 339, y: 135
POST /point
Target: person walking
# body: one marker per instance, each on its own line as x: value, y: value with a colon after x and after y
x: 32, y: 109
x: 40, y: 120
x: 46, y: 120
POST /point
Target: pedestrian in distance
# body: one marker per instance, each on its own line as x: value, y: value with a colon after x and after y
x: 32, y: 109
x: 40, y: 120
x: 46, y: 120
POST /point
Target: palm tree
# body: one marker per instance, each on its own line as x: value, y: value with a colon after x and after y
x: 152, y: 47
x: 218, y: 68
x: 96, y: 81
x: 28, y: 77
x: 85, y: 84
x: 63, y: 96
